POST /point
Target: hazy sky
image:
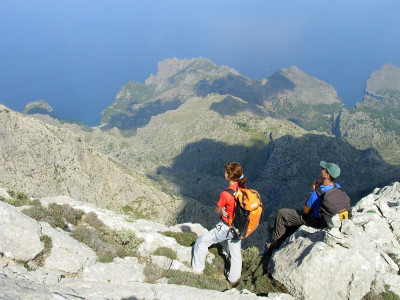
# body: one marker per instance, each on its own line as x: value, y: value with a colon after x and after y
x: 77, y: 54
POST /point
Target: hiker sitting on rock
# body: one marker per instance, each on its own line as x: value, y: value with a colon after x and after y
x: 225, y: 206
x: 288, y: 220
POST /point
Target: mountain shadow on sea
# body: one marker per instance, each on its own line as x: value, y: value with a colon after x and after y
x: 252, y: 91
x: 133, y: 118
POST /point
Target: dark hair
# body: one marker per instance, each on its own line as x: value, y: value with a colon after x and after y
x: 330, y: 176
x: 235, y: 171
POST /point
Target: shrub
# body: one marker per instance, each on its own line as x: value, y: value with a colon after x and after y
x: 83, y: 234
x: 65, y: 211
x: 182, y: 238
x: 55, y: 221
x: 198, y: 281
x: 127, y: 210
x: 219, y: 264
x: 35, y: 212
x: 56, y: 215
x: 255, y: 277
x: 129, y: 240
x: 93, y: 239
x: 17, y: 198
x: 389, y: 295
x: 92, y: 220
x: 152, y: 273
x: 48, y: 244
x: 386, y: 295
x: 107, y: 252
x: 165, y: 251
x: 107, y: 243
x: 36, y: 202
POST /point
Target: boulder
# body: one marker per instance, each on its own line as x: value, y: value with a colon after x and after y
x: 161, y: 261
x: 311, y: 266
x: 121, y: 270
x: 19, y: 234
x: 154, y: 240
x: 67, y: 254
x: 345, y: 262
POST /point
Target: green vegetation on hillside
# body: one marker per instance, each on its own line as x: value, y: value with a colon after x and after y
x: 310, y: 117
x: 130, y: 94
x: 17, y: 198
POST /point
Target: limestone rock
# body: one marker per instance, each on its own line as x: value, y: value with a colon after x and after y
x: 71, y: 289
x: 161, y: 261
x: 119, y: 271
x: 67, y: 254
x: 19, y: 234
x: 344, y: 263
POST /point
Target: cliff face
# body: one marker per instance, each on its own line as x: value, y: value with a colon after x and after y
x: 41, y: 159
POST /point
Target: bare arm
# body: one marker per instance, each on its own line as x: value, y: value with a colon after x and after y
x: 306, y: 209
x: 221, y: 210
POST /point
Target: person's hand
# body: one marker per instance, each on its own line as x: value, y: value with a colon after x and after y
x: 316, y: 184
x: 224, y: 212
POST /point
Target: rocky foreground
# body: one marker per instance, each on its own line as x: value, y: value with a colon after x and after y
x: 72, y: 270
x: 360, y: 257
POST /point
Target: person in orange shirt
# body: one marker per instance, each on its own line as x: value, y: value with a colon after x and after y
x: 225, y: 206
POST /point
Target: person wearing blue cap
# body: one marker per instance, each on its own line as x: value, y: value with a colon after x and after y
x: 287, y: 220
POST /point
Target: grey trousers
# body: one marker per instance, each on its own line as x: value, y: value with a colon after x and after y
x: 216, y: 235
x: 288, y: 220
x: 286, y: 217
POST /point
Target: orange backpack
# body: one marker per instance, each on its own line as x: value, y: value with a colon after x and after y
x: 247, y: 212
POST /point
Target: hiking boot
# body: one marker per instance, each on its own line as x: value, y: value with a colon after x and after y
x: 273, y: 245
x: 226, y: 273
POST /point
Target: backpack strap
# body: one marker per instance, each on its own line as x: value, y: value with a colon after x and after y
x: 320, y: 193
x: 233, y: 193
x: 230, y: 191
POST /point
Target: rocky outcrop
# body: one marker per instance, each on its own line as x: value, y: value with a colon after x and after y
x: 19, y: 234
x: 306, y: 89
x: 38, y: 107
x: 382, y: 80
x: 346, y: 262
x: 71, y: 270
x: 67, y: 254
x: 359, y: 257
